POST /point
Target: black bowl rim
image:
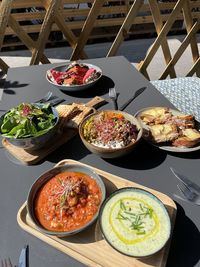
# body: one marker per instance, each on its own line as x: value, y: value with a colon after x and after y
x: 30, y: 200
x: 139, y: 135
x: 75, y: 86
x: 128, y: 189
x: 54, y: 111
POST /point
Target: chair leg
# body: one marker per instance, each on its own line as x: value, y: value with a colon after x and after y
x: 3, y: 66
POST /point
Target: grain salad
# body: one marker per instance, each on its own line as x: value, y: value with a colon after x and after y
x: 110, y: 130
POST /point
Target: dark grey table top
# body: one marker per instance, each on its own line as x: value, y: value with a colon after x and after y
x: 147, y: 165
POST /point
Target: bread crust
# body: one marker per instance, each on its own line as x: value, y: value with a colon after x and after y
x: 189, y: 138
x: 183, y: 121
x: 72, y: 115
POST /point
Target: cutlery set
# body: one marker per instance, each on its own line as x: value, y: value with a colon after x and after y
x: 113, y: 95
x: 46, y: 98
x: 23, y: 259
x: 189, y: 189
x: 49, y: 98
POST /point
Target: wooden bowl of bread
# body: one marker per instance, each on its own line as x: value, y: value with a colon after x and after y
x: 170, y: 129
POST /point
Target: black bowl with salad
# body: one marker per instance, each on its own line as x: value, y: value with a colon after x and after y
x: 29, y: 125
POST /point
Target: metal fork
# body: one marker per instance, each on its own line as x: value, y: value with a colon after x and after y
x: 113, y: 96
x: 182, y: 178
x: 189, y: 194
x: 45, y: 98
x: 6, y: 263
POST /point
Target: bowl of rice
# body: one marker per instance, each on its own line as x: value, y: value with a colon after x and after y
x: 110, y: 133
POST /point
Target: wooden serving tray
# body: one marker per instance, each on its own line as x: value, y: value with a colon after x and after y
x: 31, y: 157
x: 89, y: 247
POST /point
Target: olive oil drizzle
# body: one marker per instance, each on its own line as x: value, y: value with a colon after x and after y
x: 123, y: 218
x: 136, y: 219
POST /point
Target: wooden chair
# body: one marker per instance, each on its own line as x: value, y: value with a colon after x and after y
x: 5, y: 9
x: 180, y: 9
x: 52, y: 14
x: 126, y: 14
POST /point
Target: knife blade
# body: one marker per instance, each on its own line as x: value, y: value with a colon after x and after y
x: 53, y: 101
x: 186, y: 180
x: 23, y: 258
x: 136, y: 94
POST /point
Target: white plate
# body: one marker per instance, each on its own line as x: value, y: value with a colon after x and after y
x: 166, y: 146
x: 74, y: 88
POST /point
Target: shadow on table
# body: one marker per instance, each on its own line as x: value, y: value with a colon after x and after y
x: 15, y: 84
x: 191, y: 155
x: 184, y: 249
x: 143, y: 157
x: 7, y: 85
x: 100, y: 88
x: 71, y: 150
x: 136, y: 160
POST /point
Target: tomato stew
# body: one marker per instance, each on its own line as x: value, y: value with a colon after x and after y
x: 67, y: 201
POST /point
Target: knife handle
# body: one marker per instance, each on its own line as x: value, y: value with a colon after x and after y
x: 136, y: 94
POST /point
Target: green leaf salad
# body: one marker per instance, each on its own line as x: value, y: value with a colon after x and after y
x: 28, y: 120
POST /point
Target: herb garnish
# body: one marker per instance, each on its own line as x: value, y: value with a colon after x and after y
x: 67, y: 186
x: 122, y: 206
x: 135, y: 219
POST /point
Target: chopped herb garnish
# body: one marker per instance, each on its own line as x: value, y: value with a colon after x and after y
x: 136, y: 219
x: 122, y: 206
x: 141, y: 207
x: 141, y: 233
x: 130, y: 213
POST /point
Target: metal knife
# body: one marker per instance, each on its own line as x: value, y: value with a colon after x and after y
x: 186, y: 180
x: 55, y: 102
x: 136, y: 94
x: 23, y: 258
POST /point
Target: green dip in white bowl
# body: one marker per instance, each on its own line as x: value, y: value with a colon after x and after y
x: 135, y: 222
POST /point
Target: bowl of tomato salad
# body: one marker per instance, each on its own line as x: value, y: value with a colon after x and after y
x: 74, y: 76
x: 66, y: 199
x: 110, y: 133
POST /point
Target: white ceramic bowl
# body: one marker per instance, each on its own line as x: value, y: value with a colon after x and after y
x: 74, y: 88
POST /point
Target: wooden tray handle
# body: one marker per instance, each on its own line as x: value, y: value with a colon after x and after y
x: 66, y: 161
x: 61, y: 163
x: 96, y: 102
